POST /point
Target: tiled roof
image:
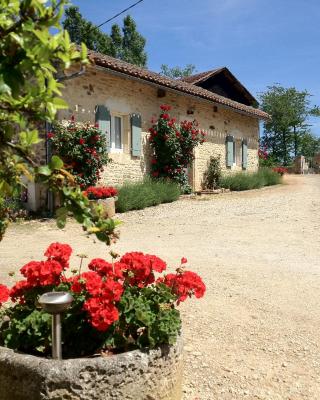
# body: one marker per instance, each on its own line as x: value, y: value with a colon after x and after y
x: 178, y: 85
x: 201, y: 76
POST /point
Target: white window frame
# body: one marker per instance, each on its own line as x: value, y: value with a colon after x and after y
x: 113, y: 148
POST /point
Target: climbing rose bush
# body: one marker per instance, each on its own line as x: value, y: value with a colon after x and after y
x: 121, y: 304
x: 265, y: 160
x: 83, y: 149
x: 102, y: 192
x: 173, y: 146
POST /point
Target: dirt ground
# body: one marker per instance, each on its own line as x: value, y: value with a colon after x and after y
x: 255, y: 335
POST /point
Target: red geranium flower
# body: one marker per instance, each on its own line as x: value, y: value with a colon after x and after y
x: 59, y: 252
x: 184, y: 285
x: 4, y: 294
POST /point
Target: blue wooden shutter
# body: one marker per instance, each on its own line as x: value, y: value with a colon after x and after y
x: 244, y: 153
x: 136, y: 135
x: 229, y: 150
x: 103, y: 119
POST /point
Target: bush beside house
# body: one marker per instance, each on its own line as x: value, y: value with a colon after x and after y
x: 254, y: 180
x: 146, y: 193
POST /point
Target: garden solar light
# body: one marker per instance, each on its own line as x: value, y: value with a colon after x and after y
x: 56, y: 303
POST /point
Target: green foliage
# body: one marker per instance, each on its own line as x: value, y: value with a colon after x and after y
x: 254, y: 180
x: 31, y: 59
x: 133, y: 43
x: 127, y: 45
x: 83, y: 149
x: 177, y: 72
x: 309, y: 145
x: 139, y: 195
x: 83, y: 31
x: 148, y: 318
x: 213, y: 174
x: 29, y: 328
x: 284, y: 134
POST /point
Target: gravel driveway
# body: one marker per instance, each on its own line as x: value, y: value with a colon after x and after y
x: 255, y: 335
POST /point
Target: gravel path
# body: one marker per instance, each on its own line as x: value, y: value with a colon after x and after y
x: 255, y: 335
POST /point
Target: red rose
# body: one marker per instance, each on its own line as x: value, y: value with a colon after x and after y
x: 165, y: 107
x: 81, y: 141
x: 184, y: 260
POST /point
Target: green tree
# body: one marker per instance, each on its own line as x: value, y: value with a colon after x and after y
x: 126, y: 44
x: 116, y: 42
x: 177, y: 72
x: 83, y: 31
x: 133, y: 43
x: 289, y: 109
x: 30, y: 59
x: 309, y: 145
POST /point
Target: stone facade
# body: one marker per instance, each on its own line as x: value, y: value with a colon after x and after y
x: 123, y: 96
x: 135, y: 375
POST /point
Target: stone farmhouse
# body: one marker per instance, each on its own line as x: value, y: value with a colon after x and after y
x: 123, y: 99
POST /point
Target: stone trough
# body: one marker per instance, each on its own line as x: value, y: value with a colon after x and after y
x: 135, y: 375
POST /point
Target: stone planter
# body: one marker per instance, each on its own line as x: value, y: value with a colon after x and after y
x: 109, y: 206
x: 135, y: 375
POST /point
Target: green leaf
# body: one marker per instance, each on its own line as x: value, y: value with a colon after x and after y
x: 59, y: 103
x: 61, y: 215
x: 44, y: 170
x: 56, y: 163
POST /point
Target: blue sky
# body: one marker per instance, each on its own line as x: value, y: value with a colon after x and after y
x: 261, y: 41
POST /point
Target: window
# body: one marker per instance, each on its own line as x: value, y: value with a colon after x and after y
x: 237, y: 153
x: 116, y: 133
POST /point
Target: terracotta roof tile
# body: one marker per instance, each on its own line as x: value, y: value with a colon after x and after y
x: 201, y: 76
x: 179, y: 85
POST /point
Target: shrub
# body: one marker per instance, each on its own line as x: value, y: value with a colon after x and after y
x: 117, y: 305
x: 149, y: 192
x: 173, y: 146
x: 82, y: 148
x: 246, y: 181
x: 213, y: 174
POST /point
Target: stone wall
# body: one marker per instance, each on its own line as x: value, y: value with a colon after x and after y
x: 135, y: 375
x: 124, y: 96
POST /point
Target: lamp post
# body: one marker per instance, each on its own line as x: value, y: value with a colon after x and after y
x: 55, y: 303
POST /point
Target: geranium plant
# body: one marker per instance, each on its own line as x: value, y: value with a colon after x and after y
x: 100, y: 192
x: 83, y: 149
x: 280, y: 170
x: 127, y: 303
x: 173, y: 145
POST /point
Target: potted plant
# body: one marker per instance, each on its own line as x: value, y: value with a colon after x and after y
x: 124, y: 313
x: 106, y: 196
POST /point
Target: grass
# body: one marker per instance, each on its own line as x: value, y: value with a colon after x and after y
x: 246, y: 181
x: 147, y: 193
